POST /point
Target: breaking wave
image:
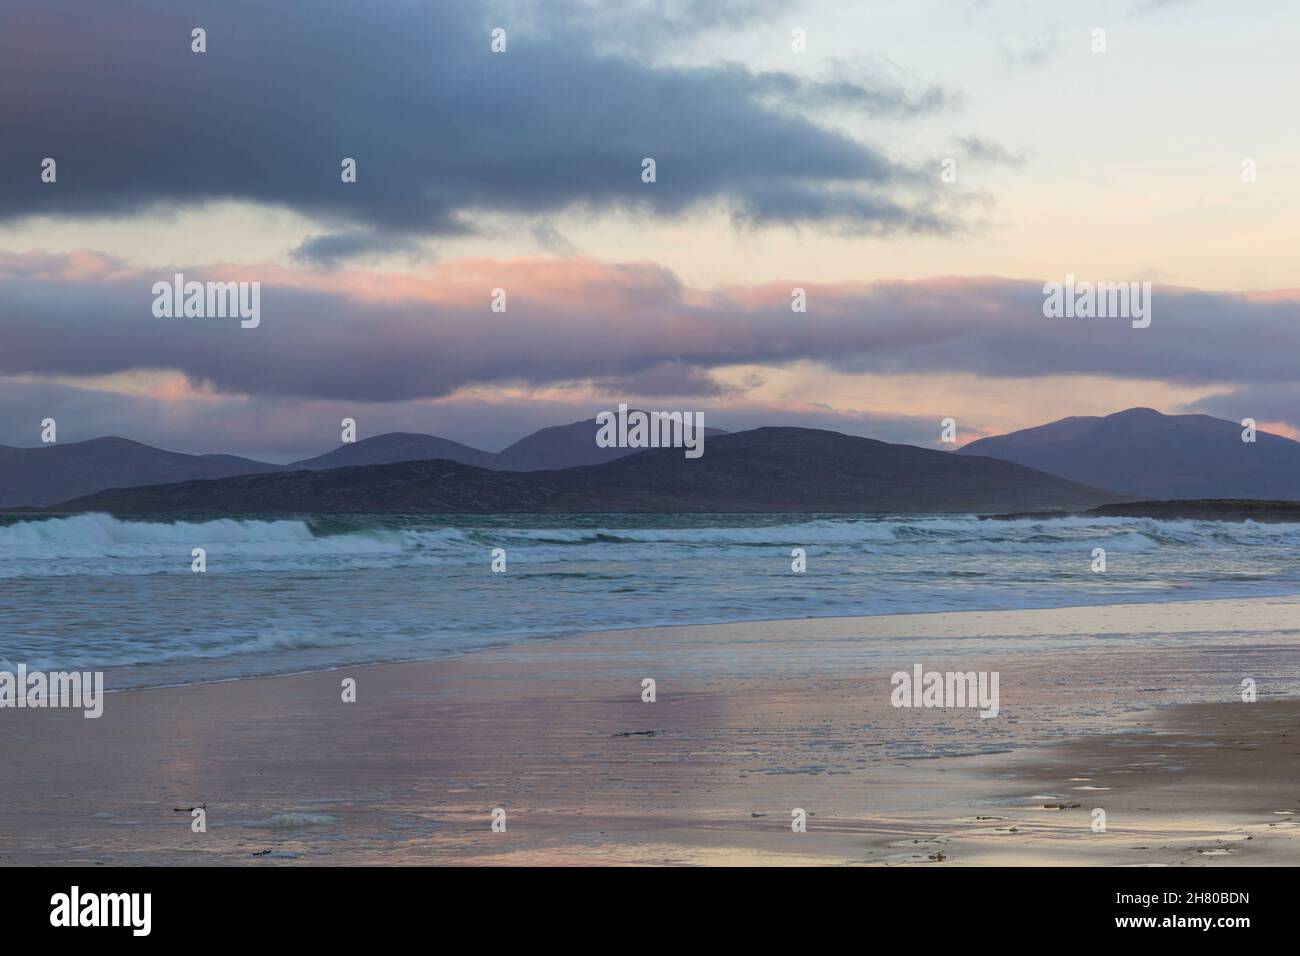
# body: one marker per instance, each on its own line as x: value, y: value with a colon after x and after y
x: 99, y: 544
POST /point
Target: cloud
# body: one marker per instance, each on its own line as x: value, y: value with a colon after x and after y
x: 333, y: 248
x: 441, y: 128
x: 1272, y: 402
x: 980, y: 150
x: 1032, y: 52
x: 1153, y: 6
x: 667, y: 379
x: 283, y: 430
x: 631, y: 27
x: 372, y: 336
x: 859, y: 85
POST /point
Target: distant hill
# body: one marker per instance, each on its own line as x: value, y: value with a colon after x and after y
x: 547, y: 449
x: 564, y: 446
x: 396, y: 446
x: 1143, y: 453
x: 763, y: 470
x: 51, y: 473
x: 808, y: 469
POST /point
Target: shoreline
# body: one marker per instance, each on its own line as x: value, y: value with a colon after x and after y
x: 541, y: 639
x: 751, y: 721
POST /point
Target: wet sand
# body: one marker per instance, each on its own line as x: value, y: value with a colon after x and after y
x: 1135, y: 710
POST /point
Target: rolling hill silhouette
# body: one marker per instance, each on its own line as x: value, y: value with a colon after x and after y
x: 763, y: 470
x: 1144, y: 453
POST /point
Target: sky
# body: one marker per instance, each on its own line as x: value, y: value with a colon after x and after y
x: 919, y: 169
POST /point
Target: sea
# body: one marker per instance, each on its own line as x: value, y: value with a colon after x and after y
x: 283, y: 595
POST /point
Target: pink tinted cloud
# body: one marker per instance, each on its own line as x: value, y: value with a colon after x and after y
x: 386, y: 337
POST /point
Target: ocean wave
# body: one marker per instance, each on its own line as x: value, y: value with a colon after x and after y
x: 78, y: 534
x: 100, y: 544
x: 286, y: 594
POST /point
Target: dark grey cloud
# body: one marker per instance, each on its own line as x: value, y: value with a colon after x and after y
x: 441, y: 128
x: 333, y: 248
x: 631, y: 27
x: 667, y: 379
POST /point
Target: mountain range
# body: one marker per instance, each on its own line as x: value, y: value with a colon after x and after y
x: 1072, y: 464
x: 48, y: 474
x: 761, y: 470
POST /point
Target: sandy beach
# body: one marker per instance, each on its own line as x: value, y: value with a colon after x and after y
x: 1132, y: 709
